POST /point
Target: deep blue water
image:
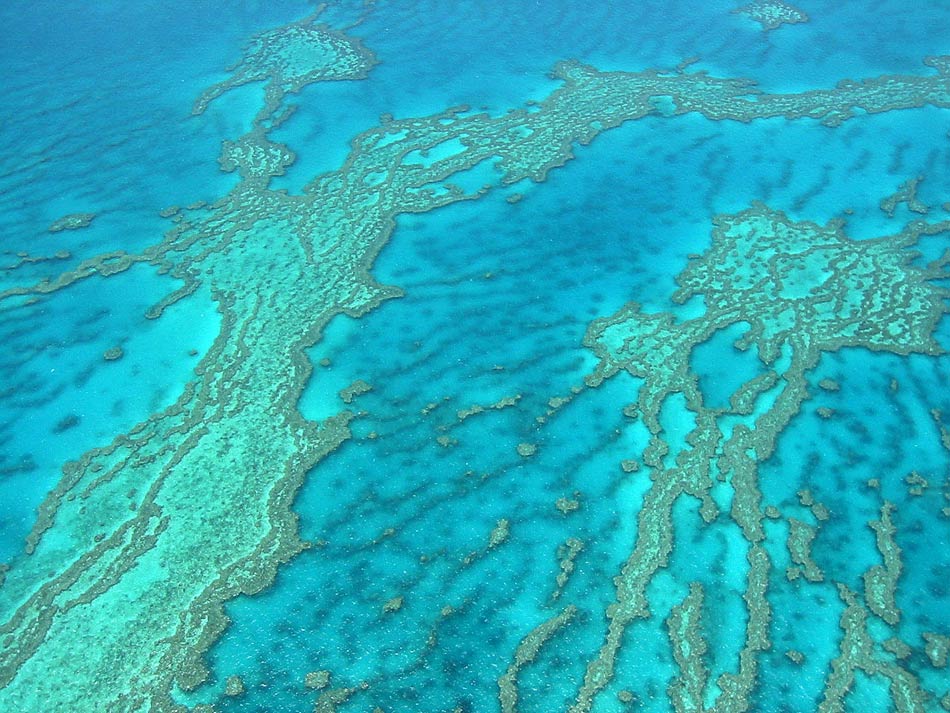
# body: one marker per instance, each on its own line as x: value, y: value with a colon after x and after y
x: 95, y: 117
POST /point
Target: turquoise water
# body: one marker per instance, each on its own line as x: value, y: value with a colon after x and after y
x: 498, y: 294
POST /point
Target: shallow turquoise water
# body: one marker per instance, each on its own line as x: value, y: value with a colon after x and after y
x: 498, y: 298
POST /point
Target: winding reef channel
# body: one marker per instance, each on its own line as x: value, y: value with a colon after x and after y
x: 136, y: 550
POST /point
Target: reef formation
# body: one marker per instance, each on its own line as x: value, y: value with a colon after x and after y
x: 799, y: 289
x: 143, y: 540
x: 772, y: 14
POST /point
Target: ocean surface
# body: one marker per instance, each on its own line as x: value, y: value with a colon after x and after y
x: 475, y: 356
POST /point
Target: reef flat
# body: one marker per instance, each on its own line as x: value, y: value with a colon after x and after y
x: 799, y: 289
x: 138, y: 548
x: 772, y: 14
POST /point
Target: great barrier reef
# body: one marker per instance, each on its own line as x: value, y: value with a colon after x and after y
x: 377, y: 356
